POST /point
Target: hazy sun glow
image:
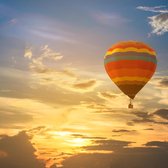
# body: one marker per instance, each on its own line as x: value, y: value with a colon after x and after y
x: 78, y: 142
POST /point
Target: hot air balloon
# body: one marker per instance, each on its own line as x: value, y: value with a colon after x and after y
x: 130, y: 65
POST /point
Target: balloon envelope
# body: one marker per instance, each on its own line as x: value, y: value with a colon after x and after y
x: 130, y: 65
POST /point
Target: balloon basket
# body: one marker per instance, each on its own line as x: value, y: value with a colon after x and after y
x: 130, y: 105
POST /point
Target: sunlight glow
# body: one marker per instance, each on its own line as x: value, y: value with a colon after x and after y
x: 78, y: 142
x: 61, y: 133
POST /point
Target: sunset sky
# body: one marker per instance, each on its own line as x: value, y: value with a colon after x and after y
x: 58, y: 107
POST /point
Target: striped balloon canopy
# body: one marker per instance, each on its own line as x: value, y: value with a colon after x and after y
x: 130, y: 65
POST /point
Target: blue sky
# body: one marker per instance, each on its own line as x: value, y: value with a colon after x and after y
x: 95, y: 23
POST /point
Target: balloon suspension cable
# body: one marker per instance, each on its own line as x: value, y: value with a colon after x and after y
x: 130, y: 105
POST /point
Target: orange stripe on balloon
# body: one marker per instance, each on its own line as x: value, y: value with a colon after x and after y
x: 130, y: 83
x: 129, y: 72
x: 127, y: 78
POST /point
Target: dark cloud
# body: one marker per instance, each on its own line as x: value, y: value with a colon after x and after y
x: 85, y: 85
x: 144, y: 117
x: 19, y: 152
x: 139, y: 157
x: 164, y: 83
x: 108, y: 145
x: 163, y: 113
x: 130, y: 123
x: 122, y: 131
x: 86, y: 137
x: 149, y: 129
x: 160, y: 144
x: 88, y: 161
x: 107, y: 95
x: 53, y: 166
x: 38, y: 130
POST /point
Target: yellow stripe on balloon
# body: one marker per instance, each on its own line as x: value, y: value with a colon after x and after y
x: 127, y: 78
x: 142, y: 50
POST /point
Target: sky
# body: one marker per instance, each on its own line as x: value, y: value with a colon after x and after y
x: 58, y: 107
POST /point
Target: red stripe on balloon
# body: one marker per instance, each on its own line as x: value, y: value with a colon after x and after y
x: 130, y: 64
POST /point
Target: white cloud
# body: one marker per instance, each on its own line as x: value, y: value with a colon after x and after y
x: 156, y: 9
x: 159, y: 23
x: 52, y: 36
x: 49, y: 53
x: 37, y: 26
x: 111, y: 19
x: 28, y: 53
x: 13, y: 21
x: 38, y: 63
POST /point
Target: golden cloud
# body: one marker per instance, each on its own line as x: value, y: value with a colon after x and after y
x: 45, y: 73
x: 107, y: 95
x: 85, y: 85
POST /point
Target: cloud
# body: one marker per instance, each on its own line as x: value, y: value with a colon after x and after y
x: 159, y: 23
x: 107, y: 95
x: 20, y: 113
x: 154, y: 154
x: 3, y: 154
x: 160, y: 82
x: 18, y: 152
x: 45, y: 72
x: 49, y: 53
x: 51, y: 29
x: 149, y: 129
x: 75, y: 135
x: 163, y: 113
x: 144, y: 117
x: 13, y: 21
x: 159, y: 144
x: 110, y: 19
x: 53, y: 166
x: 19, y: 84
x: 68, y: 72
x: 37, y: 64
x: 112, y: 100
x: 86, y: 85
x: 156, y: 9
x: 107, y: 145
x: 164, y: 83
x: 12, y: 116
x: 163, y: 98
x: 37, y: 26
x: 122, y: 131
x: 41, y: 130
x: 28, y: 53
x: 88, y: 160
